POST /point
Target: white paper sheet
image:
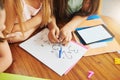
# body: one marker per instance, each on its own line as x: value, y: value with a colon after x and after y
x: 40, y: 47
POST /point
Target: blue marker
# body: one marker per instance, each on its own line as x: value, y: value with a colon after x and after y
x: 60, y: 52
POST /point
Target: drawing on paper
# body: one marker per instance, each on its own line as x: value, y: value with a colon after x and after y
x: 67, y: 53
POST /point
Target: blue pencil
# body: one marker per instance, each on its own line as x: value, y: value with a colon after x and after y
x: 60, y: 52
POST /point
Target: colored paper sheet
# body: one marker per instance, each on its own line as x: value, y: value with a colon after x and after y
x: 8, y: 76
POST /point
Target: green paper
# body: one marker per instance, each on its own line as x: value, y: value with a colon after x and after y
x: 8, y: 76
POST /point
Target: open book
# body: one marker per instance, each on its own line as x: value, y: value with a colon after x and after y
x: 41, y: 48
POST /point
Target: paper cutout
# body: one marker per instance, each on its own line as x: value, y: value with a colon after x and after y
x: 90, y: 74
x: 117, y: 60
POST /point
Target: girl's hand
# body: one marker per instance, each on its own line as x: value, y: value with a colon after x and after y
x: 19, y: 36
x: 2, y: 19
x: 15, y: 37
x: 65, y: 35
x: 53, y: 35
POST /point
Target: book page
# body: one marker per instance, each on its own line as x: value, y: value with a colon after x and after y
x: 41, y: 48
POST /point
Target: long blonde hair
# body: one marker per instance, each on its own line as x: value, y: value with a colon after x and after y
x: 47, y: 11
x: 18, y: 9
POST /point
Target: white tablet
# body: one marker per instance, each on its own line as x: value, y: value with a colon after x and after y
x: 94, y: 34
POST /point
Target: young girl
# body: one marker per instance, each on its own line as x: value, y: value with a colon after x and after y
x: 24, y: 17
x: 5, y: 53
x: 73, y: 11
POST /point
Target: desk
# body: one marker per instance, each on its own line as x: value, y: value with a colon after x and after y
x: 102, y: 65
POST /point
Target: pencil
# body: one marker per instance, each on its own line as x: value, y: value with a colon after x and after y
x: 60, y: 51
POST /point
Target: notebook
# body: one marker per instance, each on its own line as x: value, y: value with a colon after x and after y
x: 42, y: 49
x: 8, y: 76
x: 94, y: 34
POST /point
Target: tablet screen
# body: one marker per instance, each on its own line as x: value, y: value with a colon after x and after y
x: 94, y: 34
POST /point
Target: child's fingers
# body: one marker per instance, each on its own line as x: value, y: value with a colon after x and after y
x: 66, y: 41
x: 10, y: 35
x: 14, y: 37
x: 57, y: 33
x: 53, y: 37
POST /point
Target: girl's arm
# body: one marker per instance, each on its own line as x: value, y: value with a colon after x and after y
x: 74, y: 23
x: 2, y: 19
x: 68, y: 28
x: 34, y: 22
x: 30, y: 26
x: 53, y: 30
x: 11, y: 17
x: 13, y: 30
x: 5, y: 55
